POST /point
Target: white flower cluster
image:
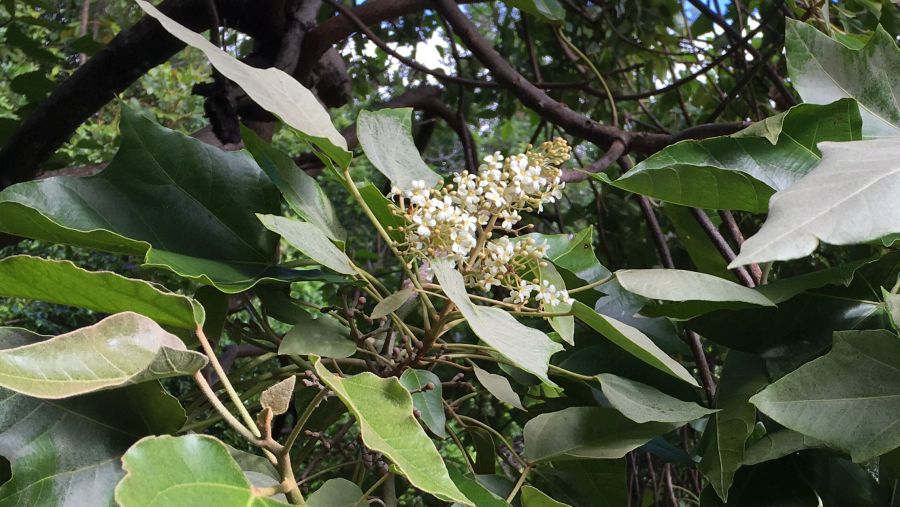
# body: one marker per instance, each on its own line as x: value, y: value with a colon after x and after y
x: 458, y: 220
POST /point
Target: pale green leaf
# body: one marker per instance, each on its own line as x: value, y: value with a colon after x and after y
x: 499, y: 387
x: 324, y: 336
x: 587, y: 433
x: 126, y: 348
x: 337, y: 492
x: 62, y: 282
x: 851, y: 197
x: 848, y: 398
x: 392, y: 303
x: 777, y: 445
x: 301, y: 191
x: 642, y: 403
x: 311, y: 241
x: 525, y: 347
x: 384, y: 410
x: 386, y: 139
x: 65, y: 452
x: 185, y: 470
x: 480, y: 495
x: 533, y: 497
x: 823, y: 70
x: 272, y: 89
x: 564, y: 325
x: 430, y: 402
x: 691, y: 293
x: 632, y: 341
x: 742, y: 170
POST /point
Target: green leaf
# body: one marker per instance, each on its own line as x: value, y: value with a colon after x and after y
x: 311, y: 241
x: 778, y: 445
x: 126, y: 348
x: 499, y: 387
x: 62, y: 282
x: 694, y: 293
x: 185, y: 470
x: 383, y: 211
x: 532, y: 497
x: 384, y: 410
x: 386, y: 139
x: 587, y: 433
x: 545, y: 10
x: 573, y: 253
x: 301, y: 191
x: 480, y: 495
x: 337, y: 492
x: 594, y: 482
x: 65, y: 452
x: 780, y: 483
x: 429, y: 403
x: 272, y: 89
x: 485, y: 450
x: 724, y: 439
x: 704, y: 255
x: 127, y: 208
x: 525, y: 347
x: 392, y: 303
x: 802, y: 325
x: 632, y: 341
x: 564, y: 325
x: 848, y: 398
x: 823, y: 70
x: 862, y: 182
x: 642, y: 403
x: 742, y: 170
x: 324, y: 336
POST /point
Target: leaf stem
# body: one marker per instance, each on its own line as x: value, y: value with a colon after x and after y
x: 518, y: 486
x: 232, y: 394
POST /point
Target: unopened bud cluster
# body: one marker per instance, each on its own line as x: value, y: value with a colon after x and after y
x: 459, y: 221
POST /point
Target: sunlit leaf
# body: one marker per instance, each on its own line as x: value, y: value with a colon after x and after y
x: 66, y: 452
x: 384, y: 410
x: 123, y: 349
x: 533, y: 497
x: 185, y: 470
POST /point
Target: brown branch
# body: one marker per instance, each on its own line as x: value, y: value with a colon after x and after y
x: 722, y: 246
